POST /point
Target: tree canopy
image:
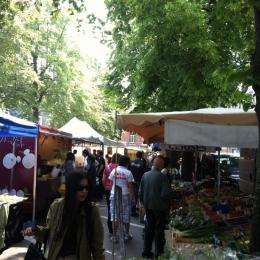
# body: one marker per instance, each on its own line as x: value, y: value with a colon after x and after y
x: 42, y: 73
x: 177, y: 55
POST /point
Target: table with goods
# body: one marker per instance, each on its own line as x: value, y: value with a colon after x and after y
x: 11, y: 219
x: 203, y: 217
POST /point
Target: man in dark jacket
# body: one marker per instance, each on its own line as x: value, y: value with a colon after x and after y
x: 137, y: 168
x: 154, y: 194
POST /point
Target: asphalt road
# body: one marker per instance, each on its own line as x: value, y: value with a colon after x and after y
x: 133, y: 248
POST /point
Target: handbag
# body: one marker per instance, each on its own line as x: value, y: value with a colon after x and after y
x: 34, y: 252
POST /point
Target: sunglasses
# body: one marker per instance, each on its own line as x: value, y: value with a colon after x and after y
x: 82, y: 187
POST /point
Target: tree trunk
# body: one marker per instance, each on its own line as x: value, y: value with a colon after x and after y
x: 255, y: 65
x: 36, y: 114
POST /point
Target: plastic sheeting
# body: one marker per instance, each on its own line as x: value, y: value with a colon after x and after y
x: 215, y: 135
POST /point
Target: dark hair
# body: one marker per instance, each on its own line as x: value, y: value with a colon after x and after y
x: 70, y: 210
x: 115, y: 157
x: 139, y: 154
x: 158, y: 156
x: 166, y: 162
x: 85, y: 152
x: 123, y: 160
x: 70, y: 156
x: 91, y: 158
x: 100, y: 152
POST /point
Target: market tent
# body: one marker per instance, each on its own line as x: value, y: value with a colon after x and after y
x: 11, y: 126
x: 54, y: 132
x: 213, y: 135
x: 151, y: 125
x: 81, y: 130
x: 52, y: 142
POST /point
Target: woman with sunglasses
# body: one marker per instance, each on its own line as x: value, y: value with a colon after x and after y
x: 73, y: 226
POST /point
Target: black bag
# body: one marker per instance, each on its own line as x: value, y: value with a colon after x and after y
x: 34, y: 252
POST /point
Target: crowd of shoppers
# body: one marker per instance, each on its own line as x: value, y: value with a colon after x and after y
x: 73, y: 225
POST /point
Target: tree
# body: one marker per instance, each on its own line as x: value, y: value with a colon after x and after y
x: 179, y: 48
x: 255, y: 69
x: 175, y: 55
x: 39, y: 73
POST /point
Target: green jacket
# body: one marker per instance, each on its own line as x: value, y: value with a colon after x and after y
x: 155, y: 191
x: 88, y: 249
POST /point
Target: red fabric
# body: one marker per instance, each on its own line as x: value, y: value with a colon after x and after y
x: 53, y: 131
x: 108, y: 169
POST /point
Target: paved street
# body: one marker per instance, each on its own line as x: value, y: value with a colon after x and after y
x: 133, y: 248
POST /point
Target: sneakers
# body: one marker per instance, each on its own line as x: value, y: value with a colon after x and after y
x: 127, y: 237
x: 147, y: 255
x: 114, y: 239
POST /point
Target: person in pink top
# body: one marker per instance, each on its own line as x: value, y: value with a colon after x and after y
x: 108, y: 186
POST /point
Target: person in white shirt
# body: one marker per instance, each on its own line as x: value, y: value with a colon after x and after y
x: 122, y: 178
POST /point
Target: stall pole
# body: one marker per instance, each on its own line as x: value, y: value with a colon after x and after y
x: 35, y: 177
x: 196, y: 164
x: 12, y: 170
x: 218, y: 194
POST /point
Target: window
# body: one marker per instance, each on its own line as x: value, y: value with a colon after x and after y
x: 132, y: 137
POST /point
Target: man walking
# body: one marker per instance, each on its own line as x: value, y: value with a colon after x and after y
x: 137, y: 168
x: 154, y: 194
x: 123, y: 178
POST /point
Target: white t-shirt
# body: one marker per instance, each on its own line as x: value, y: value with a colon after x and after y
x: 123, y: 177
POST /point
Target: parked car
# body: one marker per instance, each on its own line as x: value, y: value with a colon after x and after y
x: 229, y: 166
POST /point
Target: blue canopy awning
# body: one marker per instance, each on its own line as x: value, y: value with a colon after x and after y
x: 13, y: 126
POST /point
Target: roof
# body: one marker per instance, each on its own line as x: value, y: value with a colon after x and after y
x: 54, y: 132
x: 14, y: 126
x: 82, y: 131
x: 151, y: 125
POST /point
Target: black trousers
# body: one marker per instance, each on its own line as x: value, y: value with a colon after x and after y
x: 154, y: 230
x: 136, y: 190
x: 109, y: 222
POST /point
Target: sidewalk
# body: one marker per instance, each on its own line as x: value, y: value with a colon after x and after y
x: 16, y: 251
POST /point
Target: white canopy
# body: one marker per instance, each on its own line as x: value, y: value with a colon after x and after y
x: 83, y: 131
x: 151, y: 125
x: 214, y: 135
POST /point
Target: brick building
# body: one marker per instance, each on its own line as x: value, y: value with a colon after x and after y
x: 132, y: 139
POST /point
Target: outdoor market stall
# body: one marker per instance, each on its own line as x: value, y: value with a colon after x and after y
x: 18, y: 142
x: 206, y: 212
x: 83, y: 134
x: 53, y: 146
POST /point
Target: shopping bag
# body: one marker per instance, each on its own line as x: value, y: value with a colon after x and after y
x: 34, y: 253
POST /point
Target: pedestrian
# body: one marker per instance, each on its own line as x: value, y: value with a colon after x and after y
x: 155, y: 195
x: 69, y: 164
x: 85, y: 154
x: 100, y: 169
x: 73, y: 226
x: 108, y: 186
x: 91, y: 173
x: 137, y: 168
x: 122, y: 178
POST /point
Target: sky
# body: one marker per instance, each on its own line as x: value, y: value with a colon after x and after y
x: 89, y: 42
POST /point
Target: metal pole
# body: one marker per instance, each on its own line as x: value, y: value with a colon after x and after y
x: 35, y: 177
x: 218, y: 194
x: 12, y: 170
x: 114, y: 199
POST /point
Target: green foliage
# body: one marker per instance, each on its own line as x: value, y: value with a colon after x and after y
x: 41, y: 73
x: 175, y: 55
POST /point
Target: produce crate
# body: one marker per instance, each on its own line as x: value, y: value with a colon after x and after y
x: 173, y: 240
